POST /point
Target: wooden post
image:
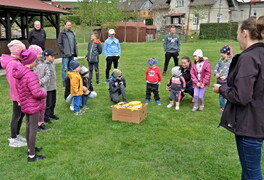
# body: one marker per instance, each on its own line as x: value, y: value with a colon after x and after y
x: 22, y: 18
x: 58, y: 25
x: 26, y: 25
x: 41, y: 21
x: 8, y: 27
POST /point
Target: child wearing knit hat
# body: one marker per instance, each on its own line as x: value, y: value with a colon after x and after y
x: 30, y: 99
x: 153, y: 79
x: 221, y: 71
x: 49, y: 55
x: 176, y: 85
x: 43, y: 73
x: 76, y: 85
x: 117, y: 86
x: 8, y: 62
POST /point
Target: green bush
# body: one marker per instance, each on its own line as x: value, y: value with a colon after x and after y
x: 225, y: 30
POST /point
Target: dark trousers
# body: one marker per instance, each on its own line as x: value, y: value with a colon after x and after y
x: 31, y: 131
x: 189, y: 90
x: 50, y: 104
x: 16, y: 121
x: 249, y: 152
x: 168, y: 56
x: 109, y: 61
x: 152, y: 88
x: 115, y: 96
x: 95, y: 67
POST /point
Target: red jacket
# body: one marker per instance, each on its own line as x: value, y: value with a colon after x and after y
x: 205, y: 74
x: 153, y: 75
x: 28, y: 88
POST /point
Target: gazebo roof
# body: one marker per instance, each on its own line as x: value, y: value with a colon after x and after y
x: 32, y: 5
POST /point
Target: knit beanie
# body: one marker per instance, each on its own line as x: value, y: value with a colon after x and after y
x: 35, y: 48
x: 74, y: 64
x: 28, y: 56
x: 15, y: 47
x: 84, y: 70
x: 152, y: 61
x: 176, y: 71
x: 226, y: 49
x: 117, y: 73
x: 198, y: 52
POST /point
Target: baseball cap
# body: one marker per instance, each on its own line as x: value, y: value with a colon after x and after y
x: 111, y: 31
x: 49, y: 52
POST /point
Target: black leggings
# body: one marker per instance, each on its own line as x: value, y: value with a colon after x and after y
x: 152, y: 88
x: 168, y: 56
x: 109, y: 61
x: 31, y: 131
x: 16, y: 121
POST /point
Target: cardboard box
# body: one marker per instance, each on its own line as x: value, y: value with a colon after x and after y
x: 126, y: 115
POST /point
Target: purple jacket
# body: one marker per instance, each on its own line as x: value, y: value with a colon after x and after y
x: 8, y: 62
x: 205, y: 74
x: 29, y: 91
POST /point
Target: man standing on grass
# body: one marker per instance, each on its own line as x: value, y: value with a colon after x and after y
x: 37, y: 36
x: 172, y: 46
x: 68, y: 47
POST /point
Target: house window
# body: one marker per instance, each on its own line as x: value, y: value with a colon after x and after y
x: 175, y: 20
x: 179, y: 3
x: 196, y: 19
x: 144, y: 13
x: 219, y: 18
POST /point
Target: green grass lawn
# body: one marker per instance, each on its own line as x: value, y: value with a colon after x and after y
x: 168, y: 144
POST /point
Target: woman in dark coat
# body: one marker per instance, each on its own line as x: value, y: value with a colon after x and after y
x: 244, y: 110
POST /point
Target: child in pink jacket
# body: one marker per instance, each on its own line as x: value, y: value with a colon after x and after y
x: 30, y: 99
x: 8, y: 62
x: 200, y: 74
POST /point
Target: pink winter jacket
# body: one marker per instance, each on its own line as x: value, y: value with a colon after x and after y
x: 205, y: 74
x: 29, y: 91
x: 8, y: 63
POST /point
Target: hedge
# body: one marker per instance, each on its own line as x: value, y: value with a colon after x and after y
x: 225, y: 30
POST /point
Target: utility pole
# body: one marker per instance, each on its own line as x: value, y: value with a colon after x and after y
x: 218, y: 19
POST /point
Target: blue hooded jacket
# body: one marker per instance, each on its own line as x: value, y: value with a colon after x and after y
x: 112, y: 47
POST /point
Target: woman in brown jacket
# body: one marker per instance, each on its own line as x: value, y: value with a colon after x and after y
x: 244, y: 111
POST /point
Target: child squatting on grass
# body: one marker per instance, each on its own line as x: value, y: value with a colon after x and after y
x: 76, y: 85
x: 30, y: 99
x: 117, y: 86
x: 153, y: 79
x: 43, y: 73
x: 221, y: 71
x: 200, y: 73
x: 176, y: 86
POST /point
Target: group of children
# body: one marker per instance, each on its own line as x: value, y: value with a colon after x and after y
x: 200, y: 74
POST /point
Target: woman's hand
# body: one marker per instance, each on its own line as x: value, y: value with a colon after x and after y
x: 216, y: 88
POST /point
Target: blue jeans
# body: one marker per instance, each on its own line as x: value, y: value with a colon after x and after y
x: 249, y: 152
x: 77, y: 101
x: 189, y: 90
x: 65, y: 66
x: 222, y: 100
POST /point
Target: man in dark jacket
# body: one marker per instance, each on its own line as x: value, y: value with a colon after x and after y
x: 37, y: 36
x: 172, y: 48
x: 68, y: 47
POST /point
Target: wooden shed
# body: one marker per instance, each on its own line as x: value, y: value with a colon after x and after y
x: 128, y: 32
x: 151, y: 32
x: 21, y: 13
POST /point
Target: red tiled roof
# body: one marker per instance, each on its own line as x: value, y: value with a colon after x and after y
x: 30, y: 5
x: 176, y: 14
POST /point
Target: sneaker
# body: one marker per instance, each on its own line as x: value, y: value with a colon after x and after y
x: 36, y: 158
x: 158, y: 102
x: 164, y: 73
x: 13, y: 142
x: 177, y: 107
x: 169, y: 105
x: 21, y: 138
x: 54, y: 117
x: 194, y: 108
x: 201, y: 108
x: 36, y: 150
x: 42, y: 127
x: 147, y: 101
x: 78, y: 113
x: 97, y: 82
x: 71, y: 108
x: 86, y: 108
x: 47, y: 121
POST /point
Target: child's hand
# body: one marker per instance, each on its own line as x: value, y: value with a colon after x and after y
x: 223, y: 78
x: 198, y: 84
x: 168, y: 88
x: 159, y: 83
x: 182, y: 90
x: 39, y: 83
x: 217, y: 76
x: 116, y: 83
x: 202, y: 86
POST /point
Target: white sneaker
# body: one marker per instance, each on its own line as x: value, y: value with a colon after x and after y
x: 15, y: 143
x: 194, y: 108
x: 21, y: 139
x: 169, y: 105
x: 71, y: 108
x: 177, y: 107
